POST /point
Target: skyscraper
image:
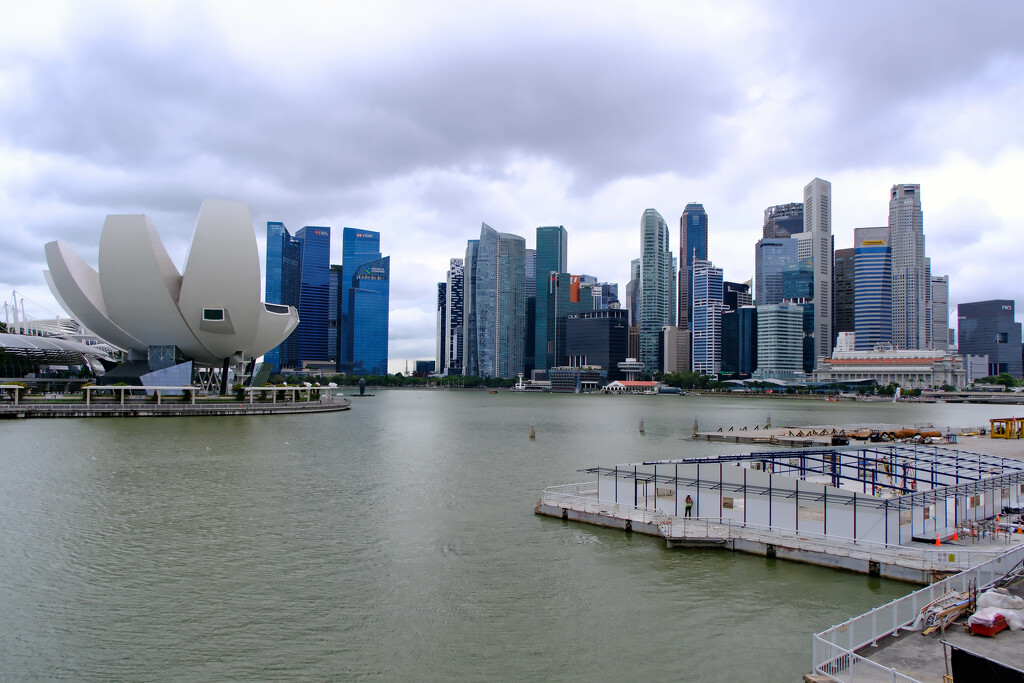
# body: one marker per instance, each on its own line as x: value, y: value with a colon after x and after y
x: 693, y: 244
x: 282, y: 286
x: 441, y: 340
x: 818, y: 222
x: 530, y: 342
x: 872, y: 284
x: 911, y: 283
x: 772, y: 256
x: 499, y: 296
x: 552, y: 257
x: 633, y: 293
x: 471, y: 362
x: 987, y: 328
x: 783, y: 220
x: 298, y: 274
x: 365, y: 297
x: 940, y: 312
x: 314, y: 293
x: 779, y: 342
x: 657, y: 292
x: 843, y: 291
x: 707, y: 318
x: 454, y: 313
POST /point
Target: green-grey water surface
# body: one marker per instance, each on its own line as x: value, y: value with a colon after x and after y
x: 394, y: 541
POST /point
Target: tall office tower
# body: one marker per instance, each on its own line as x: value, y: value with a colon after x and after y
x: 298, y: 274
x: 707, y: 318
x: 633, y: 294
x: 334, y: 313
x: 282, y: 287
x: 987, y: 328
x: 872, y: 286
x: 798, y: 288
x: 739, y: 341
x: 911, y: 285
x: 365, y: 294
x: 454, y: 315
x: 818, y: 222
x: 471, y: 359
x: 552, y: 257
x: 772, y: 256
x: 940, y: 312
x: 675, y: 349
x: 499, y: 290
x: 441, y: 341
x: 657, y: 293
x: 783, y: 220
x: 314, y: 293
x: 779, y: 342
x: 844, y: 293
x: 693, y: 244
x: 605, y: 294
x: 736, y: 294
x: 530, y: 341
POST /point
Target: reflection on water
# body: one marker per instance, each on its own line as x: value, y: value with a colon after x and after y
x: 396, y: 540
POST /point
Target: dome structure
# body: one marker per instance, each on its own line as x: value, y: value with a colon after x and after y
x: 137, y: 299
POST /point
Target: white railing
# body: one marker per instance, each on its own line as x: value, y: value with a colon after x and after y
x: 834, y: 650
x: 583, y: 497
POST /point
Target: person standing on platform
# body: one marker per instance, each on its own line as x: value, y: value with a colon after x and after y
x: 689, y: 506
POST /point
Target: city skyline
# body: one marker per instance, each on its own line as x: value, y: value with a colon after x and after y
x: 128, y: 109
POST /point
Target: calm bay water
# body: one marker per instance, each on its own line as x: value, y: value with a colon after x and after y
x: 393, y: 541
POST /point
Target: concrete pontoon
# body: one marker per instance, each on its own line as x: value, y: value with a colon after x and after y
x: 880, y: 510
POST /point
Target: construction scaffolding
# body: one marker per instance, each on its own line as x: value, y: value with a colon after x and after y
x: 892, y: 494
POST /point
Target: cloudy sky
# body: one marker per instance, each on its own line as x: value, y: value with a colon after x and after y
x: 421, y: 120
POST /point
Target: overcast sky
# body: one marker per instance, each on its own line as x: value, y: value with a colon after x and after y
x: 422, y: 120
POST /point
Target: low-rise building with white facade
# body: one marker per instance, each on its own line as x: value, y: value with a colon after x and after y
x: 909, y: 368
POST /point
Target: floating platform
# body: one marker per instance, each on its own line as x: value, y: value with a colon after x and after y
x: 53, y: 410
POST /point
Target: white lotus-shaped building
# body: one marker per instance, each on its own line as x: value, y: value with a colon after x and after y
x: 138, y: 300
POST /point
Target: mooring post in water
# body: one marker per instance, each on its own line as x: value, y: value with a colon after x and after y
x: 768, y: 423
x: 695, y: 427
x: 533, y: 428
x: 641, y: 425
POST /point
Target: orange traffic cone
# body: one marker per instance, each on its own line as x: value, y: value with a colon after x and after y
x: 1019, y: 529
x: 937, y: 542
x: 955, y: 537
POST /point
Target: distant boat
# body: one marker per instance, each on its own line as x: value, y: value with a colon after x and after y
x: 493, y: 391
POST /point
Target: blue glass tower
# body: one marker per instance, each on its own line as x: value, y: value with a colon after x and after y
x: 693, y: 244
x: 364, y: 292
x: 314, y: 293
x: 283, y: 258
x: 872, y: 287
x: 552, y: 254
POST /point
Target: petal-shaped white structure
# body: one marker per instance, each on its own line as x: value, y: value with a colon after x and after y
x: 220, y: 288
x: 212, y: 313
x: 276, y: 322
x: 141, y: 285
x: 77, y: 287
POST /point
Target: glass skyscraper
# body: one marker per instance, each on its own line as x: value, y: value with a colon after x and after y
x: 818, y: 224
x: 496, y: 289
x: 298, y: 274
x: 314, y: 293
x: 872, y: 286
x: 552, y: 255
x: 657, y: 291
x: 365, y: 296
x: 772, y: 256
x: 707, y: 318
x: 282, y: 287
x: 693, y: 245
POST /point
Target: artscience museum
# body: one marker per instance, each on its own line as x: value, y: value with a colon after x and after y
x: 208, y: 319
